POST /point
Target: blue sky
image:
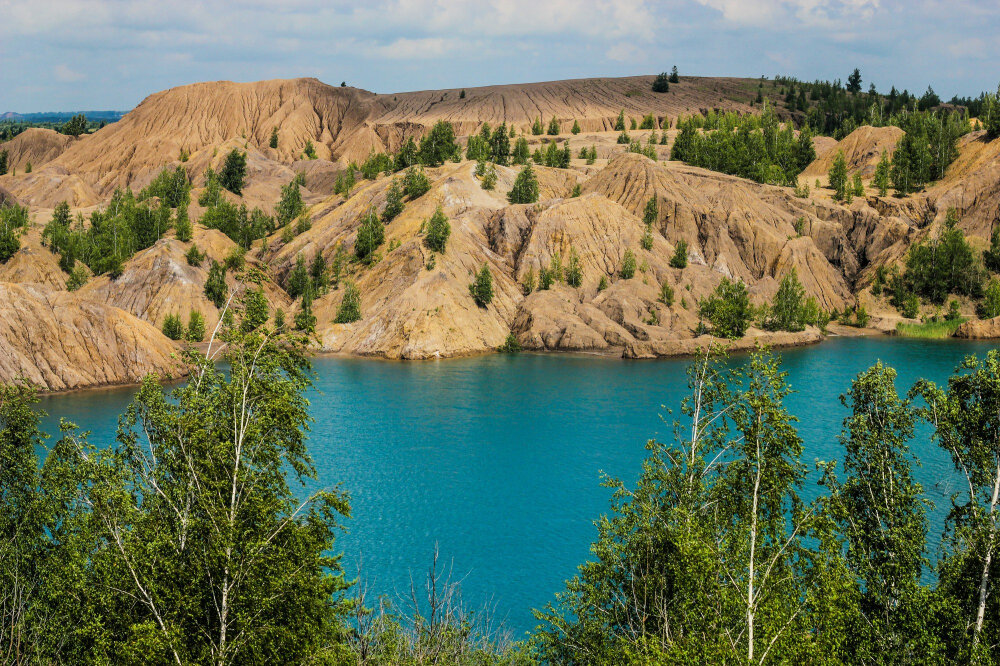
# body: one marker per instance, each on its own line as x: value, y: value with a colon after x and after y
x: 110, y: 54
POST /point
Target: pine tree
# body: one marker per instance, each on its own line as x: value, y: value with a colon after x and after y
x: 274, y: 138
x: 172, y: 327
x: 438, y: 230
x: 350, y: 305
x: 882, y: 171
x: 553, y: 129
x: 680, y: 256
x: 196, y: 327
x: 393, y: 202
x: 838, y: 177
x: 661, y: 83
x: 525, y: 189
x: 576, y: 128
x: 298, y: 281
x: 370, y: 236
x: 522, y: 152
x: 620, y: 122
x: 481, y: 288
x: 234, y: 172
x: 574, y: 270
x: 536, y: 127
x: 854, y: 82
x: 255, y: 310
x: 627, y: 269
x: 674, y: 76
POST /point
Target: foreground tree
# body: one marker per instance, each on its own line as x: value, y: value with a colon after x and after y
x: 234, y: 172
x: 966, y: 419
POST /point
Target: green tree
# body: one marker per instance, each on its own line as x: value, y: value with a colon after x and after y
x: 521, y: 152
x: 620, y: 122
x: 553, y: 128
x: 882, y: 174
x: 234, y: 172
x: 4, y: 161
x: 661, y: 83
x: 370, y: 236
x: 627, y: 269
x: 576, y: 127
x: 290, y: 206
x: 854, y: 82
x: 881, y: 511
x: 536, y: 127
x: 196, y: 327
x: 255, y: 310
x: 679, y: 259
x: 728, y: 309
x: 216, y: 289
x: 966, y: 417
x: 674, y: 76
x: 990, y: 307
x: 393, y: 203
x: 415, y: 183
x: 274, y: 138
x: 298, y: 282
x: 172, y: 327
x: 788, y: 312
x: 438, y: 145
x: 437, y: 231
x: 349, y: 309
x: 838, y: 177
x: 574, y: 270
x: 481, y: 288
x: 525, y: 189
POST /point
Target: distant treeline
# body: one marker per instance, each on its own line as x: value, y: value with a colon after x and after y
x: 64, y: 122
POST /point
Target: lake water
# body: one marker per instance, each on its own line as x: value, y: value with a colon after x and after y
x: 497, y: 459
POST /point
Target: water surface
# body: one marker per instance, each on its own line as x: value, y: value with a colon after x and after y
x: 497, y: 459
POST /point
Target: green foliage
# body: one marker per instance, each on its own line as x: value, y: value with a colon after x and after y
x: 196, y: 327
x: 666, y: 293
x: 255, y: 310
x: 438, y: 145
x: 370, y: 236
x: 728, y: 309
x: 991, y: 257
x: 627, y: 269
x: 553, y: 128
x: 679, y: 259
x: 651, y: 213
x: 233, y: 174
x: 576, y: 191
x: 290, y: 206
x: 12, y: 219
x: 574, y: 270
x: 309, y: 150
x: 620, y: 122
x: 788, y: 312
x: 990, y: 307
x: 116, y: 232
x: 375, y: 164
x: 238, y: 222
x: 481, y: 288
x: 536, y: 127
x: 521, y: 152
x: 216, y: 289
x: 437, y: 231
x: 345, y: 182
x: 525, y: 189
x: 648, y: 122
x: 273, y: 141
x: 183, y: 229
x: 172, y: 327
x: 350, y: 305
x: 510, y: 345
x: 661, y: 83
x: 929, y: 330
x: 393, y: 202
x: 487, y: 174
x: 624, y: 139
x: 754, y: 147
x: 298, y: 281
x: 415, y: 183
x: 319, y: 274
x: 944, y: 265
x: 211, y: 195
x: 4, y: 161
x: 838, y: 177
x: 883, y: 172
x: 75, y: 126
x: 646, y: 241
x: 171, y: 186
x: 925, y: 150
x: 194, y: 256
x: 528, y: 281
x: 674, y: 76
x: 77, y: 278
x: 304, y: 319
x: 576, y: 127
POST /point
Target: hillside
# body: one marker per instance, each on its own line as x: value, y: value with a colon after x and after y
x: 415, y: 303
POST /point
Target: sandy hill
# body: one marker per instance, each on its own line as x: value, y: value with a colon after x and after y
x: 35, y: 145
x: 341, y: 123
x: 862, y: 150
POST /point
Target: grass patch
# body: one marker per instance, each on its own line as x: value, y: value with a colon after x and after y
x: 930, y: 329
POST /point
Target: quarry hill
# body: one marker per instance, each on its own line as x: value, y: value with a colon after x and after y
x: 614, y: 254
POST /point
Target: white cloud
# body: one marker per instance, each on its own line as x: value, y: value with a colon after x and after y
x: 64, y: 74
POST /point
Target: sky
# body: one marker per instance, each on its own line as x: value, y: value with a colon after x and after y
x: 62, y: 55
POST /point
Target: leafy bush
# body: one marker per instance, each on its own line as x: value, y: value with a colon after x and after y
x: 728, y: 309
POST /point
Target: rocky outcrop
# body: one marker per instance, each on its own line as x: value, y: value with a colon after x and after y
x: 979, y: 329
x: 37, y: 146
x: 862, y: 150
x: 60, y: 341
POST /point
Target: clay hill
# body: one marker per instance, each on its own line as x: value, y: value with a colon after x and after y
x: 415, y: 304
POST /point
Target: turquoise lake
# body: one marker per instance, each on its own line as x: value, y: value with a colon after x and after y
x: 497, y: 459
